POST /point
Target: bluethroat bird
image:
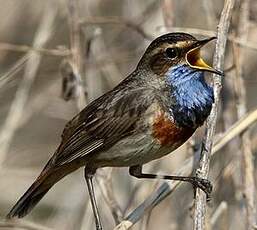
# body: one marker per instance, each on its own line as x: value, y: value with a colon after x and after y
x: 148, y: 115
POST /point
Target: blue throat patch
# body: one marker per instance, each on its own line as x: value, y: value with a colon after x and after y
x: 192, y: 96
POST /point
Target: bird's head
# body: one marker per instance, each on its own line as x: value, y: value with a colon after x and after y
x: 175, y: 49
x: 175, y: 60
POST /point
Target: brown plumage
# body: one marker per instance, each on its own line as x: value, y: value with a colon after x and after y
x: 168, y: 133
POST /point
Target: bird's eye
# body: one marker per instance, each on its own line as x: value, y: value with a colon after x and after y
x: 171, y: 53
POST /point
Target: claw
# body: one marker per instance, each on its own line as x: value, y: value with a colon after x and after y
x: 204, y: 184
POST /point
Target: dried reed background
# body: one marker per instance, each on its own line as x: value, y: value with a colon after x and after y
x: 56, y: 50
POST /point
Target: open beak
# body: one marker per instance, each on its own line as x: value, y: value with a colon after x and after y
x: 194, y: 60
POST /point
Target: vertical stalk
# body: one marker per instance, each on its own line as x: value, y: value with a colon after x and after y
x: 203, y: 169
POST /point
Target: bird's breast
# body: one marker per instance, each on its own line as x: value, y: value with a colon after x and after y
x: 167, y: 133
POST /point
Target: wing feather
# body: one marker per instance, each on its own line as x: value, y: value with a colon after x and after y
x: 101, y: 124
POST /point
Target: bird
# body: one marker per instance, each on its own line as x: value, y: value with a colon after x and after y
x: 149, y: 114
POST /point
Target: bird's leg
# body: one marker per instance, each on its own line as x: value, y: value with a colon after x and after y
x: 201, y: 183
x: 89, y: 179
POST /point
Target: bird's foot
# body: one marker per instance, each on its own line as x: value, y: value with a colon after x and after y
x: 204, y: 184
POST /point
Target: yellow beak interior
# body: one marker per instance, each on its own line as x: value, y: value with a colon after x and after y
x: 194, y: 60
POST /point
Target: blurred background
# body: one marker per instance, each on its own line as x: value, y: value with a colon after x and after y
x: 56, y: 56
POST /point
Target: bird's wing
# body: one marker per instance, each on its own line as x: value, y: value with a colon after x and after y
x: 101, y: 124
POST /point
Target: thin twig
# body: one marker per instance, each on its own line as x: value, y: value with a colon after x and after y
x: 240, y: 126
x: 22, y: 224
x: 112, y: 73
x: 76, y: 49
x: 146, y: 220
x: 168, y: 12
x: 218, y: 63
x: 118, y: 21
x: 210, y: 14
x: 17, y: 66
x: 43, y: 51
x: 15, y: 113
x: 130, y: 201
x: 105, y: 183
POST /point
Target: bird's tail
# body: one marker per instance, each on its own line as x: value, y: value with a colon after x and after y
x: 31, y: 197
x: 37, y: 190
